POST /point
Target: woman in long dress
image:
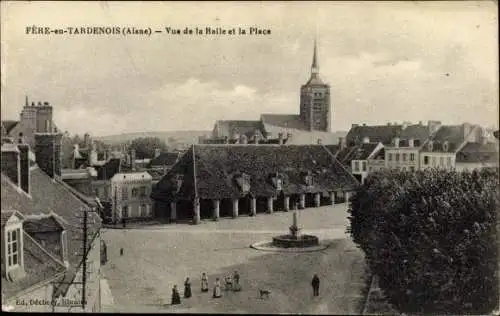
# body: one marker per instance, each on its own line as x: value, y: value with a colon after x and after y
x: 217, y: 291
x: 187, y: 288
x: 204, y: 282
x: 176, y: 298
x: 236, y: 282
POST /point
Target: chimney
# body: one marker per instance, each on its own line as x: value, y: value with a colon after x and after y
x: 48, y: 153
x: 467, y: 128
x: 157, y: 152
x: 243, y: 139
x: 364, y: 124
x: 411, y: 142
x: 433, y: 126
x: 11, y: 162
x: 366, y: 140
x: 132, y: 159
x: 24, y: 167
x: 342, y: 143
x: 280, y: 137
x: 396, y: 141
x: 39, y: 103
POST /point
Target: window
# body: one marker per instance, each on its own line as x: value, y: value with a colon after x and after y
x: 356, y: 166
x: 433, y: 161
x: 412, y: 157
x: 412, y: 168
x: 397, y: 157
x: 124, y: 211
x: 404, y: 157
x: 389, y: 156
x: 124, y: 193
x: 426, y: 160
x: 142, y: 191
x: 370, y: 169
x: 364, y: 165
x: 404, y: 168
x: 448, y: 161
x: 441, y: 161
x: 13, y: 237
x: 134, y: 192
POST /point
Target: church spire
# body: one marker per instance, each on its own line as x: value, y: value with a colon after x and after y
x: 315, y: 66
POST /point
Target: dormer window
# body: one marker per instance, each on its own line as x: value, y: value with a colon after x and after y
x: 243, y: 182
x: 277, y: 180
x: 13, y: 244
x: 446, y: 146
x: 416, y: 142
x: 430, y: 146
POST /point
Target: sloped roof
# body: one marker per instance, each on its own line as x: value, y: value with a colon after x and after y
x: 164, y: 159
x: 39, y: 266
x: 478, y: 153
x: 359, y: 152
x: 378, y: 133
x: 209, y: 171
x: 292, y: 121
x: 230, y: 127
x: 417, y: 131
x: 5, y: 216
x: 8, y: 125
x: 452, y: 134
x: 131, y: 176
x: 46, y: 195
x: 42, y: 224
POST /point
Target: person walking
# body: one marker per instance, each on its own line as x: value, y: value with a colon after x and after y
x: 315, y: 285
x: 217, y: 291
x: 204, y: 282
x: 187, y: 288
x: 236, y: 282
x: 176, y: 298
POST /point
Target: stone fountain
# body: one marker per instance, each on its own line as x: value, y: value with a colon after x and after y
x: 295, y: 239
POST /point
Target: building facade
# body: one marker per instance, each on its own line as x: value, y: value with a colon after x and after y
x: 213, y: 181
x: 130, y: 196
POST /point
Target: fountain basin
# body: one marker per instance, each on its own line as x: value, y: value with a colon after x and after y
x: 291, y: 241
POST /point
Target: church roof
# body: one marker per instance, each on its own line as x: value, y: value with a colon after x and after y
x: 283, y: 120
x: 230, y: 127
x: 209, y: 171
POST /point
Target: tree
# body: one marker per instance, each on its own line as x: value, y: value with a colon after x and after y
x: 145, y: 146
x: 431, y: 237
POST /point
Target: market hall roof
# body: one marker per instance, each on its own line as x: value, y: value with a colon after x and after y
x: 213, y: 172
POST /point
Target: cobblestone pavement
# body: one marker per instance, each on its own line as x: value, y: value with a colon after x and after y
x: 156, y: 258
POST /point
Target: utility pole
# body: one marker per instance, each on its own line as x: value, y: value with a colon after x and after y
x: 84, y: 252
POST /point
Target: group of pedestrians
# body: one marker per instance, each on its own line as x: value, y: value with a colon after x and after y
x: 232, y: 283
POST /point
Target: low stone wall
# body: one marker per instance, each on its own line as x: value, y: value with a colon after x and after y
x: 288, y: 241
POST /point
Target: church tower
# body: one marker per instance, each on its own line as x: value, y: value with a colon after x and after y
x: 315, y: 109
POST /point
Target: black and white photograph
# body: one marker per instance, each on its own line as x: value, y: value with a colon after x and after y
x: 245, y: 157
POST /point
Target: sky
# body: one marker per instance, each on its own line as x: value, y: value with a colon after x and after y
x: 385, y: 62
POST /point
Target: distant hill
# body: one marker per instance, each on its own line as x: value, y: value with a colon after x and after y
x: 184, y: 137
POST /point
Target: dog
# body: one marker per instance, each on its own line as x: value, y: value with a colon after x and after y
x: 264, y: 293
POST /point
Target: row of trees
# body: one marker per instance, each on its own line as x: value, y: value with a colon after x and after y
x: 432, y: 238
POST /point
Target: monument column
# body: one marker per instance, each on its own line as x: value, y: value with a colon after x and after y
x: 302, y: 201
x: 235, y: 208
x: 270, y: 205
x: 216, y: 210
x: 173, y: 211
x: 317, y: 199
x: 196, y: 211
x: 253, y: 206
x: 287, y: 203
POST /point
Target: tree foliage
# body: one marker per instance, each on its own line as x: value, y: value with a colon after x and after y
x: 145, y: 146
x: 431, y: 237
